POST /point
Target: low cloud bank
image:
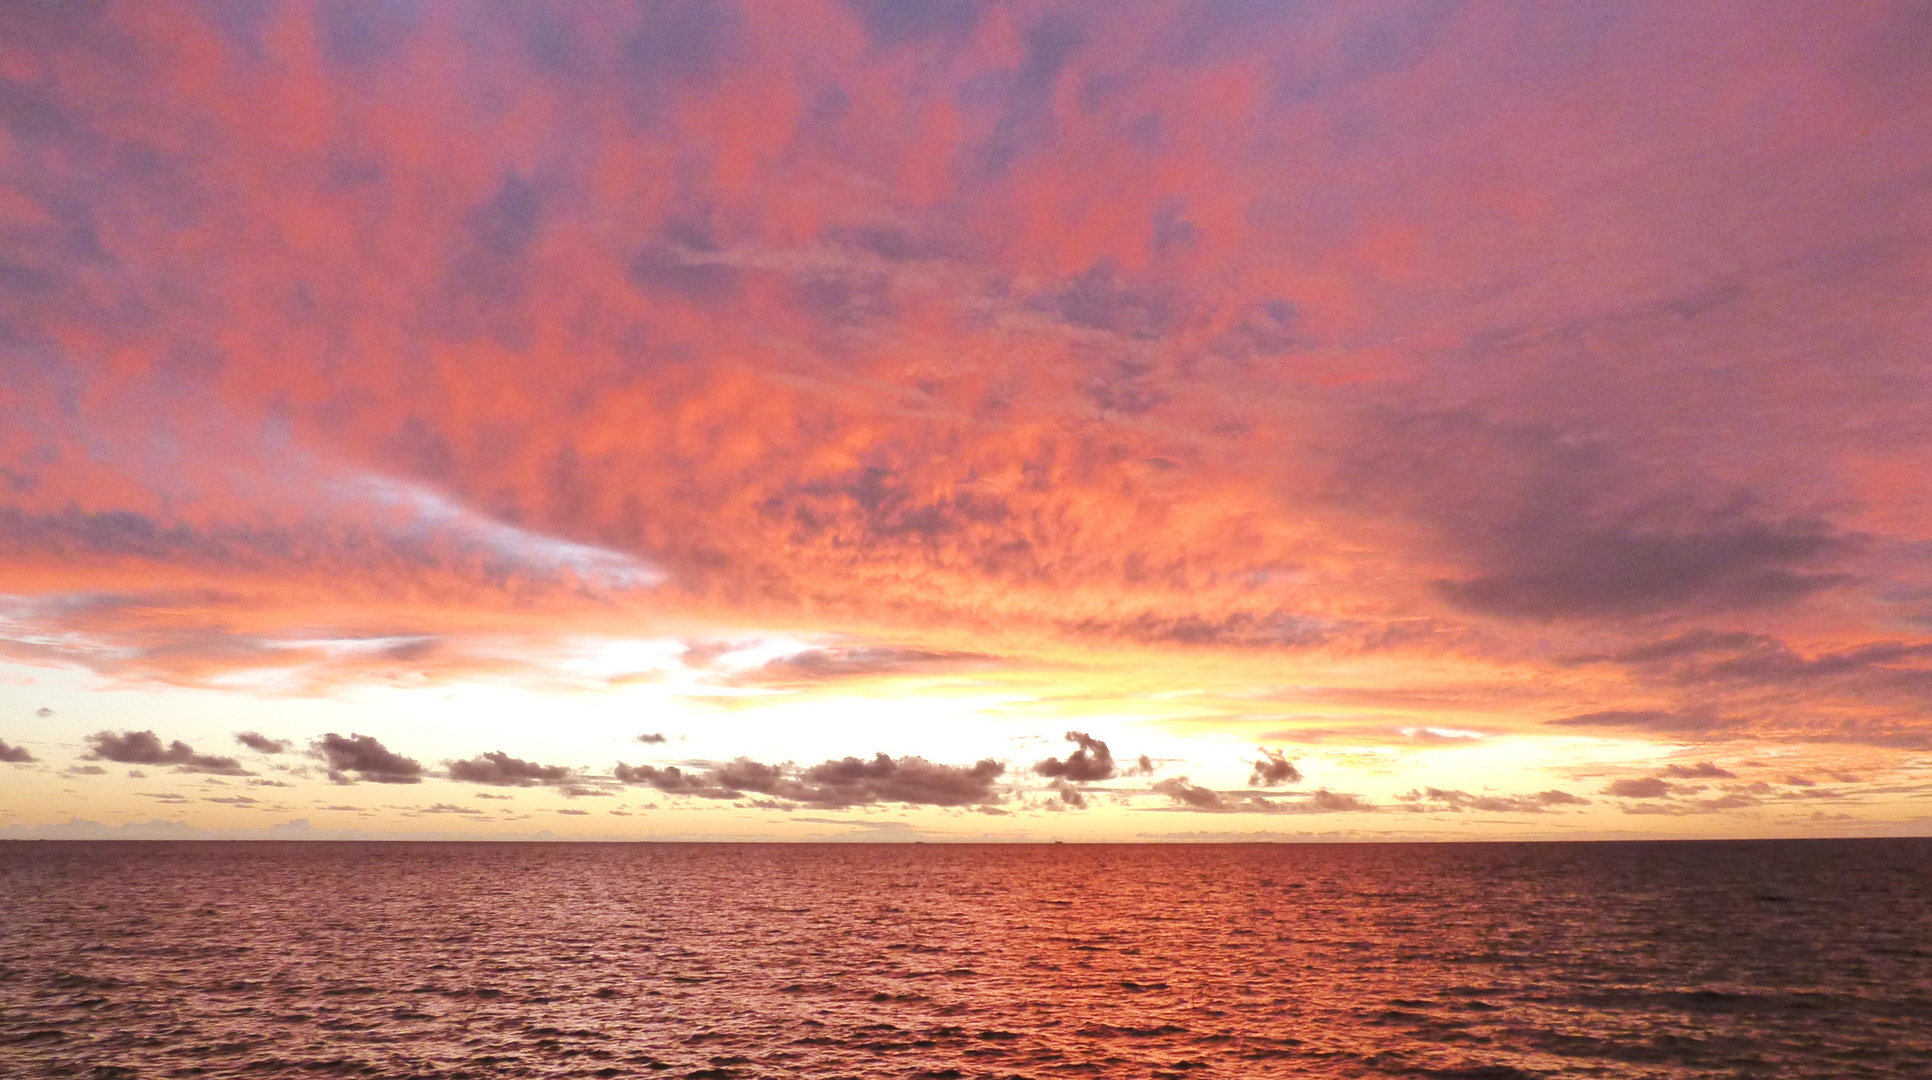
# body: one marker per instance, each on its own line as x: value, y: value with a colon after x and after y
x: 840, y: 782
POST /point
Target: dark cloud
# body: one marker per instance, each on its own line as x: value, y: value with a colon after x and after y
x: 1069, y: 795
x: 1273, y: 769
x: 842, y: 782
x: 359, y: 35
x: 1275, y: 629
x: 1093, y: 761
x: 88, y: 770
x: 882, y: 507
x: 1103, y: 299
x: 256, y: 741
x: 892, y: 23
x: 1266, y: 329
x: 1325, y: 801
x: 1185, y: 794
x: 1647, y: 788
x: 43, y: 712
x: 1635, y: 569
x: 1558, y: 527
x: 684, y: 260
x: 486, y: 271
x: 1703, y: 770
x: 146, y: 748
x: 17, y: 755
x: 1456, y: 801
x: 855, y: 781
x: 672, y: 780
x: 499, y: 769
x: 1703, y: 656
x: 744, y: 774
x: 651, y: 738
x: 1022, y: 99
x: 366, y: 758
x: 1691, y: 644
x: 1777, y: 687
x: 1886, y: 665
x: 1647, y: 720
x: 680, y: 45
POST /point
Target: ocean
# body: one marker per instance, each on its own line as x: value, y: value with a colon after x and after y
x: 717, y: 961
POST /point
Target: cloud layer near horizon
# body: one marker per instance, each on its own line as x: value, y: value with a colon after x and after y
x: 1369, y: 368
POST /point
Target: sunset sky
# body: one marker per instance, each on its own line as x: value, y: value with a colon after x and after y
x: 869, y: 419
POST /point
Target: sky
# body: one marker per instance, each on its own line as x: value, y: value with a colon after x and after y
x: 850, y: 419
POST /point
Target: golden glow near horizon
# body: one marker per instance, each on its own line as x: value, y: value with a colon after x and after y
x: 1067, y: 421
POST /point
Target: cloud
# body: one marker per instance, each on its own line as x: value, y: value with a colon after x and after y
x: 1739, y: 681
x: 1456, y: 801
x: 1069, y: 795
x: 1559, y: 527
x: 1683, y: 807
x: 672, y: 780
x: 836, y: 783
x: 991, y: 340
x: 1648, y: 788
x: 651, y: 738
x: 43, y: 712
x: 1185, y: 794
x: 87, y: 770
x: 1273, y: 629
x: 16, y: 754
x: 263, y: 744
x: 1634, y: 568
x: 1740, y: 657
x: 1273, y: 769
x: 501, y: 770
x: 146, y: 748
x: 1091, y: 762
x: 366, y: 758
x: 1654, y: 720
x: 828, y: 664
x: 1192, y: 795
x: 856, y: 781
x: 1703, y: 770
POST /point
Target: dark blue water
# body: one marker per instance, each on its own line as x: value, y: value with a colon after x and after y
x: 1775, y: 959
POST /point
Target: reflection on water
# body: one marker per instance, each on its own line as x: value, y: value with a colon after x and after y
x: 1777, y: 959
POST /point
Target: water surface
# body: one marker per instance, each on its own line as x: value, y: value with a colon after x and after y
x: 1764, y: 959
